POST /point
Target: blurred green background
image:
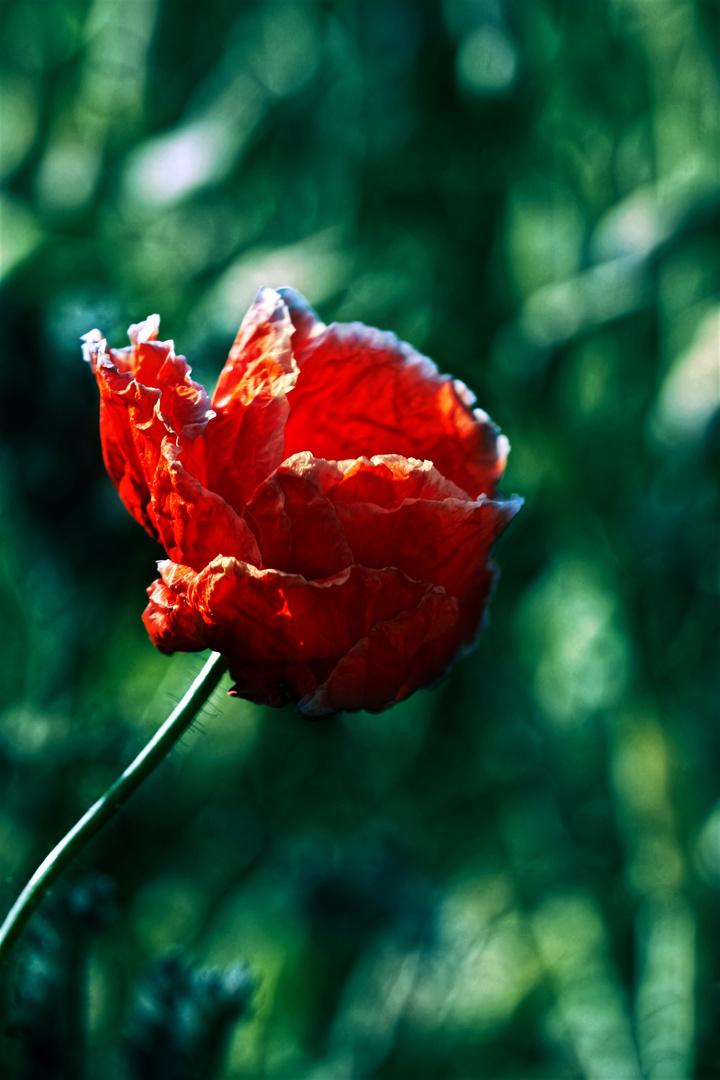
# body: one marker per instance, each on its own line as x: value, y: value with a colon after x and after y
x: 515, y: 875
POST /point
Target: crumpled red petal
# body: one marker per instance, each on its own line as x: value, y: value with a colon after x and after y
x: 363, y: 392
x: 395, y: 658
x: 245, y: 441
x: 444, y: 538
x: 196, y: 525
x: 172, y: 622
x: 136, y: 416
x: 274, y: 627
x: 296, y: 525
x: 388, y: 479
x: 315, y: 517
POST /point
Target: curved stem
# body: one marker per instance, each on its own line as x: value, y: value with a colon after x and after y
x: 108, y: 804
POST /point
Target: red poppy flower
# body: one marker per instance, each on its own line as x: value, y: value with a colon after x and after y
x: 328, y: 517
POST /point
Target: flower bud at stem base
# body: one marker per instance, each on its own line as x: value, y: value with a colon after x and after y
x: 108, y: 804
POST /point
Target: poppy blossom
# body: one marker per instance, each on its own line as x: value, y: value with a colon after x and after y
x: 328, y: 516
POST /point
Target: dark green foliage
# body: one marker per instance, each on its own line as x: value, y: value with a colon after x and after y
x: 183, y: 1019
x: 48, y: 1017
x: 180, y: 1022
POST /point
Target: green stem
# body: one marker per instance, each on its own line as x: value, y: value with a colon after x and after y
x: 108, y: 804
